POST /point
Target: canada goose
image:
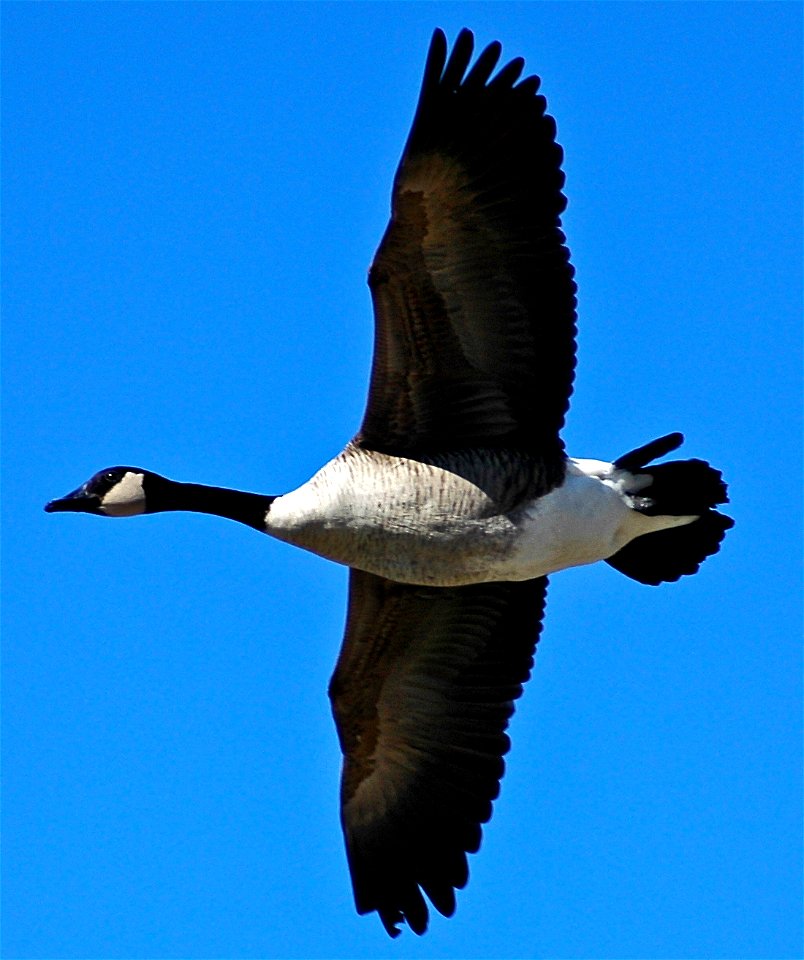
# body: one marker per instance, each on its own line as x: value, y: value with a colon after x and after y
x: 455, y: 499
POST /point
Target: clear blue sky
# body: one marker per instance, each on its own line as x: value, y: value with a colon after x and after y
x: 192, y: 196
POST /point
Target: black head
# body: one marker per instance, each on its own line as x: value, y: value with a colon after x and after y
x: 114, y: 492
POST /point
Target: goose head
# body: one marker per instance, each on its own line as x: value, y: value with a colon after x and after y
x: 131, y: 491
x: 114, y: 492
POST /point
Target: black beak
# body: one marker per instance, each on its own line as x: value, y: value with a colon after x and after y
x: 79, y: 501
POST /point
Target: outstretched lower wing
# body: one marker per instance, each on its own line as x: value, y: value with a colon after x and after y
x: 473, y: 294
x: 422, y: 694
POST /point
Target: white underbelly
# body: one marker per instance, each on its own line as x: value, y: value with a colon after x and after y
x: 580, y: 522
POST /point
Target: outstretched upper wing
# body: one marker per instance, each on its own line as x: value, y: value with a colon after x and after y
x: 473, y: 294
x: 422, y: 693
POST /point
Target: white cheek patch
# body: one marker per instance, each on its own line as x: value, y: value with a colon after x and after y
x: 126, y: 498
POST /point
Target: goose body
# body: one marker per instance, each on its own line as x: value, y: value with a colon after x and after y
x: 455, y: 499
x: 463, y: 518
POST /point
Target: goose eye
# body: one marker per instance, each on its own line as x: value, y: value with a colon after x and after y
x: 110, y: 475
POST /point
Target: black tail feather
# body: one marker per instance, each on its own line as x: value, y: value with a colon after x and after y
x: 683, y: 487
x: 678, y: 488
x: 668, y: 555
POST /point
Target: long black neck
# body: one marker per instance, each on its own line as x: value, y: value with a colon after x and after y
x: 248, y: 508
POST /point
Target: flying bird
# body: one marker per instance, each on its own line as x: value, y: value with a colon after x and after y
x: 456, y: 499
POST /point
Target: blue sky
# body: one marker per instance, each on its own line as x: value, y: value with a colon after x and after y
x: 192, y: 196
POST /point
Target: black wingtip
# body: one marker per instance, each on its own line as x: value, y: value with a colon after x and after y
x: 433, y: 66
x: 459, y: 60
x: 438, y: 44
x: 390, y: 925
x: 508, y: 75
x: 484, y: 66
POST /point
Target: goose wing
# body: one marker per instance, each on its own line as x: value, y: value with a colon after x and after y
x: 472, y: 287
x: 422, y: 693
